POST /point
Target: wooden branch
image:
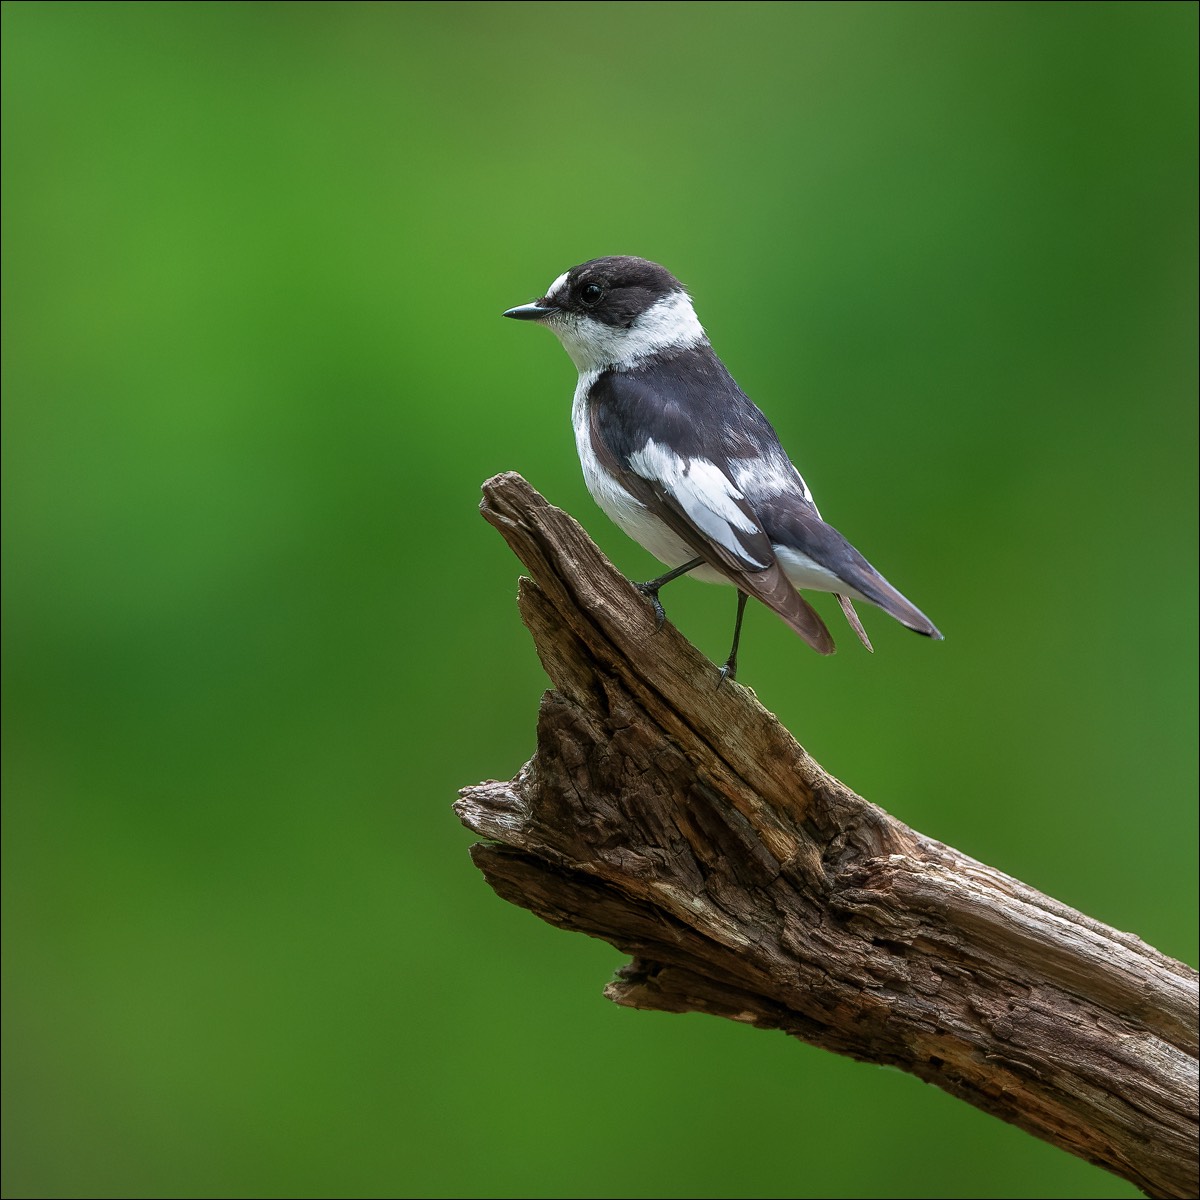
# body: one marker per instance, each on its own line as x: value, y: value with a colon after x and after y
x: 683, y: 824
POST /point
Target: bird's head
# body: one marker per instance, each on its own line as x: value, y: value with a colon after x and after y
x: 612, y: 312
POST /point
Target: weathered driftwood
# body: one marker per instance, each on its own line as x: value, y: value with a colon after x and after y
x: 683, y: 824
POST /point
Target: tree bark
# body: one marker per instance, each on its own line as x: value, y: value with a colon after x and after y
x: 682, y: 823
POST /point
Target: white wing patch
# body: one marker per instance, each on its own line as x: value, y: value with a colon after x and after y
x: 704, y: 492
x: 768, y: 477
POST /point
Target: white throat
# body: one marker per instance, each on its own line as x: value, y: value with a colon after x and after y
x: 670, y: 323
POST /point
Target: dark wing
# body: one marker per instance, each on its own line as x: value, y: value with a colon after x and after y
x: 647, y: 438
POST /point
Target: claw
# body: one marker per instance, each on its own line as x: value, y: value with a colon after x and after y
x: 651, y: 593
x: 650, y: 589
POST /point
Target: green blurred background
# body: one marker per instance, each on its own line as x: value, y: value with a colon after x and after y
x: 257, y: 635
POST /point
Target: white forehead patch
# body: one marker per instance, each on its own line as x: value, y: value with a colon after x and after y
x: 559, y: 283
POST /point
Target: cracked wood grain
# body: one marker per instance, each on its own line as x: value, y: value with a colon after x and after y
x: 686, y: 826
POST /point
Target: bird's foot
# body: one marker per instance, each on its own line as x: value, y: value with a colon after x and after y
x: 728, y: 671
x: 650, y: 591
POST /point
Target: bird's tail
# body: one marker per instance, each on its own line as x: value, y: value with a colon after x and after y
x: 773, y: 588
x: 855, y: 624
x: 820, y: 558
x: 879, y: 592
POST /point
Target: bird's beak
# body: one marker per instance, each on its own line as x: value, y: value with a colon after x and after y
x: 532, y: 312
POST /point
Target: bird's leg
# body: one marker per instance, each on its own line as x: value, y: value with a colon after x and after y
x: 729, y: 670
x: 650, y: 590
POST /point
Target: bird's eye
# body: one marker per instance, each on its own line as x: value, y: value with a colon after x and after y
x: 590, y: 294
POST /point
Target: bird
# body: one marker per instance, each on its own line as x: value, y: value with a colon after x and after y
x: 686, y: 464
